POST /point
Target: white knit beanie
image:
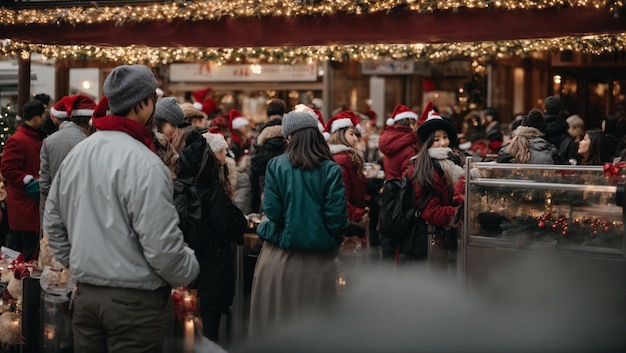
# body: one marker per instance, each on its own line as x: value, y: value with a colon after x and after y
x: 217, y: 142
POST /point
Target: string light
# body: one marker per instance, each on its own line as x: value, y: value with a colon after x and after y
x: 219, y: 9
x: 416, y: 52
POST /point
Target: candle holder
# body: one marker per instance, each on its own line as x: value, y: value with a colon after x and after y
x: 192, y: 332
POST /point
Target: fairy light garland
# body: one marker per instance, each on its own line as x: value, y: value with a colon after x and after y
x: 417, y: 52
x: 221, y: 9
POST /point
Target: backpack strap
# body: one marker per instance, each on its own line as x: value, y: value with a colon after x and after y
x: 422, y: 204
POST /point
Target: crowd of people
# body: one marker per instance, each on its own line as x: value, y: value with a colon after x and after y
x: 138, y: 194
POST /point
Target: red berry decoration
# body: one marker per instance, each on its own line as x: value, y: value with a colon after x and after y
x: 541, y: 224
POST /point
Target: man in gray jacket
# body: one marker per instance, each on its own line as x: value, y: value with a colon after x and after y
x: 71, y: 115
x: 111, y: 220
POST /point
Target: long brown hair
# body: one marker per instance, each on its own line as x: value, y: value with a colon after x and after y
x: 307, y: 149
x: 424, y: 169
x: 339, y: 138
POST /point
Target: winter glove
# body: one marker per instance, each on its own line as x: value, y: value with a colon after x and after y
x: 32, y: 189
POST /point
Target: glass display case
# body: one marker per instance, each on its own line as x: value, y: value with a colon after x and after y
x: 545, y: 207
x: 566, y: 215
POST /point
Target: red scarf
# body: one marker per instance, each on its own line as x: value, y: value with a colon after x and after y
x: 117, y: 123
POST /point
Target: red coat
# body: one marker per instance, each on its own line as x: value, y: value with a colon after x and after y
x: 398, y: 143
x: 19, y: 159
x: 440, y: 209
x: 354, y: 183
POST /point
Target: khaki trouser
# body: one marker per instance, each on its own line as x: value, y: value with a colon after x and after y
x: 106, y: 319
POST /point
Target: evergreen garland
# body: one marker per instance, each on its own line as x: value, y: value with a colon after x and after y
x: 8, y: 124
x: 525, y: 214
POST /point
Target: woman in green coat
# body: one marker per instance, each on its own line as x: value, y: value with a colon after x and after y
x: 306, y: 218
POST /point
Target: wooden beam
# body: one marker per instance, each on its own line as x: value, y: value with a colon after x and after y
x: 23, y: 82
x: 395, y: 27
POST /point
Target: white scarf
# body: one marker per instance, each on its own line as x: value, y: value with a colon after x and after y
x: 452, y: 172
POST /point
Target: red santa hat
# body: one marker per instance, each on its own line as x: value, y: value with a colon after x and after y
x: 80, y: 105
x: 221, y: 122
x: 342, y: 120
x: 199, y: 96
x: 101, y: 108
x: 401, y: 112
x: 430, y: 121
x: 58, y: 109
x: 77, y: 105
x: 371, y: 115
x: 429, y: 111
x: 236, y: 120
x: 209, y: 106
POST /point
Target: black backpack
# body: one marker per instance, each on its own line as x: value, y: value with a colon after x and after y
x: 397, y: 211
x: 187, y: 202
x: 399, y: 218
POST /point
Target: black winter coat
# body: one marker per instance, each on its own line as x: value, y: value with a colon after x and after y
x: 270, y: 143
x: 222, y: 224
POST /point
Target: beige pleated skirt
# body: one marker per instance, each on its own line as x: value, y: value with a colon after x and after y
x: 287, y: 284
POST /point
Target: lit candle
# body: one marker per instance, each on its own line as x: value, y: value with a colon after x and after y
x: 48, y: 332
x: 341, y: 281
x: 189, y: 334
x: 15, y: 322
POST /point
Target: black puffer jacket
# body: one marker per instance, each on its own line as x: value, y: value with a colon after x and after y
x: 186, y: 198
x: 269, y: 144
x: 222, y: 223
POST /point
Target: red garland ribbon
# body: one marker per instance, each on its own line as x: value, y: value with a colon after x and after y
x: 182, y: 307
x: 613, y: 169
x: 20, y: 268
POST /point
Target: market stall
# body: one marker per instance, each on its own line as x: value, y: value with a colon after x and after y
x: 528, y: 225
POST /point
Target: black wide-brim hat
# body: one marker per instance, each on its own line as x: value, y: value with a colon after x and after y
x: 433, y: 124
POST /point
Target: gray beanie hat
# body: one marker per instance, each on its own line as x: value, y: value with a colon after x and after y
x: 294, y: 121
x: 128, y: 85
x: 168, y: 109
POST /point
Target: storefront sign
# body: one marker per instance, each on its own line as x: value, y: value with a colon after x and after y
x: 210, y: 72
x: 393, y: 67
x: 457, y: 68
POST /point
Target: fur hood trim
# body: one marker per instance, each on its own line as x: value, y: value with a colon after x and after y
x: 268, y: 133
x: 334, y: 149
x: 528, y: 132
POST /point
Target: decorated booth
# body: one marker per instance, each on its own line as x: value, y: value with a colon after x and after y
x: 528, y: 223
